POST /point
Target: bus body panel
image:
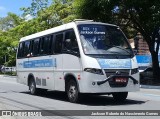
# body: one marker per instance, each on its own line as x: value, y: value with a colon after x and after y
x: 43, y: 75
x: 21, y: 72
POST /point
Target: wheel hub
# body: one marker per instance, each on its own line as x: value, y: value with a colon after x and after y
x: 32, y: 88
x: 72, y: 92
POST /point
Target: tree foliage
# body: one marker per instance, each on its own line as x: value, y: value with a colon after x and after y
x: 8, y: 38
x: 11, y: 21
x: 36, y: 6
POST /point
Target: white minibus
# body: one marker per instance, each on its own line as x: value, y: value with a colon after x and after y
x: 80, y: 57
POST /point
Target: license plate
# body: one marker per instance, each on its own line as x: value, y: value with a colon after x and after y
x: 121, y: 80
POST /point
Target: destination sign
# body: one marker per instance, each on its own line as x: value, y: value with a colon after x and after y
x: 92, y: 29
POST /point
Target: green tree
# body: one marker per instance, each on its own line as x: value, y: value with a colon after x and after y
x: 48, y: 16
x: 141, y: 15
x: 8, y: 38
x: 8, y: 48
x: 36, y: 5
x: 11, y: 21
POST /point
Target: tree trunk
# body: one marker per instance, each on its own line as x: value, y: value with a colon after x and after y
x: 155, y: 65
x: 155, y: 61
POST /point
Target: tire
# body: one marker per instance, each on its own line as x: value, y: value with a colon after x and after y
x: 32, y: 87
x: 120, y: 96
x: 72, y: 91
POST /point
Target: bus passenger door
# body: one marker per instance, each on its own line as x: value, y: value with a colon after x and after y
x: 71, y: 55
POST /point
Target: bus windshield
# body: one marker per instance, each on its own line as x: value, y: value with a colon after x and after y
x: 103, y: 39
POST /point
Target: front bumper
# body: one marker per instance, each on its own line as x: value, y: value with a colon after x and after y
x: 117, y: 76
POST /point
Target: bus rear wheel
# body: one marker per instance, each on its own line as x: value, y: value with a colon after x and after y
x: 32, y: 87
x: 72, y: 91
x: 120, y: 96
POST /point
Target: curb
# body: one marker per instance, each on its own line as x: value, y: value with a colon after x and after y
x: 149, y: 87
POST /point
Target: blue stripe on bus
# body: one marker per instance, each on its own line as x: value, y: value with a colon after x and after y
x: 115, y: 63
x: 39, y: 63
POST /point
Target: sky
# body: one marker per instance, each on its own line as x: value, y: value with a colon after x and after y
x: 13, y: 6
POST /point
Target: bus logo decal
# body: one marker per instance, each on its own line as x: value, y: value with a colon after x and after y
x: 115, y: 63
x: 39, y: 63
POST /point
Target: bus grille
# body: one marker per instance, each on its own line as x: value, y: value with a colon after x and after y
x: 110, y: 72
x: 112, y: 82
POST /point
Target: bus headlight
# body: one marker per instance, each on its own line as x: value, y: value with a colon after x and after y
x: 134, y: 71
x: 94, y: 71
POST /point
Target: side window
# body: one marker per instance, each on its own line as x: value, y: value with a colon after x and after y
x: 26, y: 48
x: 35, y: 47
x: 20, y: 50
x: 50, y: 50
x: 70, y: 41
x: 46, y: 45
x: 58, y: 43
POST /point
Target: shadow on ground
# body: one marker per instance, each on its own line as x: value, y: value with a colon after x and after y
x: 91, y: 100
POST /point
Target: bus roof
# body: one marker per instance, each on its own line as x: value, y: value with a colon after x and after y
x: 61, y: 28
x: 81, y: 21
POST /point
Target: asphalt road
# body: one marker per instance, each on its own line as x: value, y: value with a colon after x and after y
x: 14, y: 96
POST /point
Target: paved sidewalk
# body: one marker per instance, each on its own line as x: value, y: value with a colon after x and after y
x: 8, y: 78
x: 149, y: 87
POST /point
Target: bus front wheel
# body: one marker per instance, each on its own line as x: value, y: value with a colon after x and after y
x: 72, y: 91
x: 120, y: 96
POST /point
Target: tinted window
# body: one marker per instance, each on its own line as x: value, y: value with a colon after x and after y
x: 20, y: 50
x: 46, y: 43
x: 70, y: 41
x: 26, y: 48
x: 50, y: 45
x: 35, y: 47
x: 58, y: 43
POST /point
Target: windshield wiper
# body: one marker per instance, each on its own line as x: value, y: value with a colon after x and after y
x: 122, y: 49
